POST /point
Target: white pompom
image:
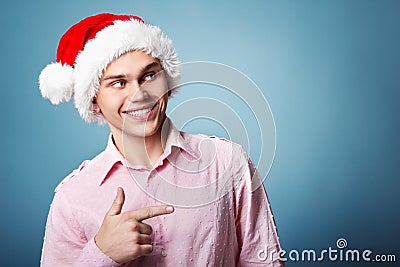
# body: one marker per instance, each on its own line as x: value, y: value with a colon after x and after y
x: 56, y: 82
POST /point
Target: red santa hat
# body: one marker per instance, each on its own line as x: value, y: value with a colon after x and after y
x: 87, y: 48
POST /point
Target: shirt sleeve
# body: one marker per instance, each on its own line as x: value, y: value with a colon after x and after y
x: 65, y: 243
x: 255, y: 225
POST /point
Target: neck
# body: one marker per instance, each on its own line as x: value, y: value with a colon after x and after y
x: 141, y: 151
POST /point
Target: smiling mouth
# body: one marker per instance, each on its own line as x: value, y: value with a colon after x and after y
x: 141, y: 113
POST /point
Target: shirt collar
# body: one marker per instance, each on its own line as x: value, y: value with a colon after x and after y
x: 104, y: 162
x: 111, y: 156
x: 176, y: 139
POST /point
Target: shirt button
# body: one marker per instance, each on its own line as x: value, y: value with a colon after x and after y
x: 164, y: 253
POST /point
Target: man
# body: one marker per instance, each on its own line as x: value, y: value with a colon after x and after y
x: 155, y: 196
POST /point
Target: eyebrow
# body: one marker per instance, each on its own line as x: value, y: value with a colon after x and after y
x: 150, y: 66
x: 142, y: 70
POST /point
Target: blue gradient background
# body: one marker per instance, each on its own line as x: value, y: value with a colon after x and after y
x: 329, y: 69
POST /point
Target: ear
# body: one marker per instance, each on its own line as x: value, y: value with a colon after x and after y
x: 96, y: 108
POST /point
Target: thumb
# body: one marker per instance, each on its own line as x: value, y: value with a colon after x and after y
x: 116, y: 206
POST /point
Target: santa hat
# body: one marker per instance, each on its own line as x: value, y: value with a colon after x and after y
x: 87, y: 48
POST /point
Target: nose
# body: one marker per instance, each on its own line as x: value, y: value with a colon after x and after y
x: 137, y: 93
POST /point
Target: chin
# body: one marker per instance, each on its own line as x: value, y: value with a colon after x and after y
x: 140, y: 132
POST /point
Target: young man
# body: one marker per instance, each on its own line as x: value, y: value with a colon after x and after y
x: 155, y: 196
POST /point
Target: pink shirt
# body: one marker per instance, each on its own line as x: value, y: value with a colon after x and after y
x: 218, y: 220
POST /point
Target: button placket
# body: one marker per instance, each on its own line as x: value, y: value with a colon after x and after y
x: 156, y: 222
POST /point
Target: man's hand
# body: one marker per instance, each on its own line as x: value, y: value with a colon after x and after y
x: 123, y: 236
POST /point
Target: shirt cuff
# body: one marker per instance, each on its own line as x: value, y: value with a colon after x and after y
x: 93, y: 256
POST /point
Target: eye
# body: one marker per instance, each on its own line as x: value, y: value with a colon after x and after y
x: 118, y: 84
x: 149, y: 77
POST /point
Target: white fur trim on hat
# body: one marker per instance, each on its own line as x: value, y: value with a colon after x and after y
x: 108, y: 45
x: 56, y: 82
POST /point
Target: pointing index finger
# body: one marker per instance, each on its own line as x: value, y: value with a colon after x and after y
x: 150, y: 212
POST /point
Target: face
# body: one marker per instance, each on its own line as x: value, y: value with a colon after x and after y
x: 133, y: 95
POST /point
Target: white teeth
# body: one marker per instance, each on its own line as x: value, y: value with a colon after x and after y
x: 140, y: 113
